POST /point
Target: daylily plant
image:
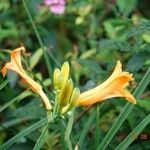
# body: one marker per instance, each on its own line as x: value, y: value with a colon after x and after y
x: 66, y: 96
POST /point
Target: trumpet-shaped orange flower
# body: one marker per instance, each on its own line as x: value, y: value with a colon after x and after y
x: 16, y: 66
x: 114, y: 86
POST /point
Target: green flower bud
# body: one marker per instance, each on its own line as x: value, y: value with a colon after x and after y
x: 65, y: 72
x: 74, y: 97
x: 65, y: 93
x: 56, y: 79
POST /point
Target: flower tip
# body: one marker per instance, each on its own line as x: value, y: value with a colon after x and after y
x: 17, y: 50
x: 4, y: 69
x: 130, y: 98
x: 134, y: 102
x: 66, y: 64
x: 132, y: 78
x: 65, y: 70
x: 119, y: 63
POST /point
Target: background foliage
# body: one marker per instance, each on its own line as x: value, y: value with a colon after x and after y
x: 92, y: 35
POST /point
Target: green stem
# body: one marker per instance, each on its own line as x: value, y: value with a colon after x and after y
x: 68, y: 130
x: 62, y: 127
x: 49, y: 67
x: 42, y: 138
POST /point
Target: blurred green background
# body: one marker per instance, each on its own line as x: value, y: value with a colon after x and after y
x: 92, y: 35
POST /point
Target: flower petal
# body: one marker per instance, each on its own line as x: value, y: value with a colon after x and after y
x: 112, y: 87
x: 16, y: 58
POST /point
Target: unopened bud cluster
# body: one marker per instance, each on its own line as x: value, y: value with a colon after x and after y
x: 65, y: 94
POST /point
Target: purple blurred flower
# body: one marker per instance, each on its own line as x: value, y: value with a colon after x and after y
x: 56, y: 6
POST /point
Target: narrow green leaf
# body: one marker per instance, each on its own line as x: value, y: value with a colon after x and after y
x: 16, y: 121
x: 130, y: 138
x: 17, y: 98
x: 86, y: 128
x: 125, y: 112
x: 42, y: 138
x: 68, y: 130
x: 126, y: 7
x: 62, y: 126
x: 97, y: 131
x: 35, y: 58
x: 23, y: 133
x: 39, y: 39
x: 2, y: 85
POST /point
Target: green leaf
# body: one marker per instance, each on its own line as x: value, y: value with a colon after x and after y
x: 145, y: 103
x: 29, y: 110
x: 14, y: 122
x: 130, y: 138
x: 35, y: 58
x: 107, y: 44
x: 126, y: 6
x: 86, y: 128
x: 23, y: 133
x: 91, y: 68
x: 69, y: 129
x: 62, y: 126
x: 144, y: 27
x: 42, y: 138
x: 46, y: 57
x: 17, y: 98
x: 135, y: 63
x: 2, y: 85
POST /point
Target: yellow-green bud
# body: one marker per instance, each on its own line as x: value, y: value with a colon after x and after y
x: 65, y: 93
x: 65, y: 72
x: 74, y: 97
x: 56, y: 79
x: 65, y: 109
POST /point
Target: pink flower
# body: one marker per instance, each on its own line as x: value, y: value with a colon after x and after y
x: 56, y: 6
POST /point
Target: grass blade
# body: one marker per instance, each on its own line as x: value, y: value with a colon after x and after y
x: 23, y: 133
x: 24, y: 94
x: 125, y: 112
x: 14, y: 122
x: 2, y: 85
x: 97, y: 131
x: 39, y: 39
x: 86, y: 128
x: 42, y: 138
x: 62, y: 127
x: 68, y: 130
x: 41, y: 42
x: 130, y: 138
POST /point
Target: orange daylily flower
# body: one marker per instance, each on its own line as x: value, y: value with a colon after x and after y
x: 16, y: 66
x: 114, y: 86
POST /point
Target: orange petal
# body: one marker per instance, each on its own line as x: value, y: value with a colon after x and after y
x: 16, y: 58
x: 5, y: 68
